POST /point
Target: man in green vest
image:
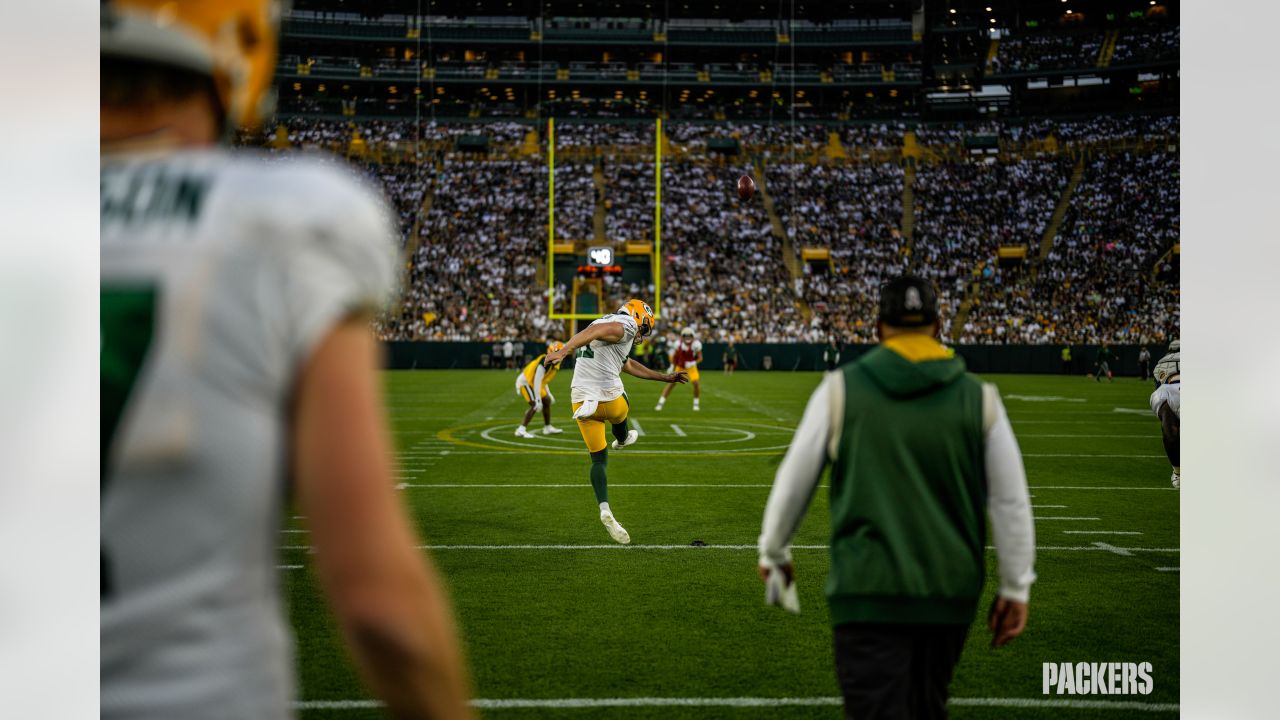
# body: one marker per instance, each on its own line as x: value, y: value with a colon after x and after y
x: 918, y: 450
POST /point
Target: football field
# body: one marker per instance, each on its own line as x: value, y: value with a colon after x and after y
x: 558, y: 621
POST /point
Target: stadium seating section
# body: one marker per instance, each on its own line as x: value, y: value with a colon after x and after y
x: 475, y: 223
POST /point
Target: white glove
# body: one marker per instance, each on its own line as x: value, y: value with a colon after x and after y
x: 778, y: 592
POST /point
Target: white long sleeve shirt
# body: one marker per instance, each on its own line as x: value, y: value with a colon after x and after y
x: 815, y: 444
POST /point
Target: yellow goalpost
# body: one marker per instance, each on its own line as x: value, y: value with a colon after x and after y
x: 656, y: 260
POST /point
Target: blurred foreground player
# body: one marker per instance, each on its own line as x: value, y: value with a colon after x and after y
x: 597, y: 395
x: 237, y: 365
x: 536, y: 375
x: 1166, y: 403
x: 919, y: 449
x: 685, y: 358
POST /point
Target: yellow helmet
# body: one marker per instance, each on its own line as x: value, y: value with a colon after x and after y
x: 231, y: 41
x: 639, y: 311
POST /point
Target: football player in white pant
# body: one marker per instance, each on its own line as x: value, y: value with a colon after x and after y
x: 238, y: 367
x: 598, y: 398
x: 537, y: 375
x: 1166, y: 403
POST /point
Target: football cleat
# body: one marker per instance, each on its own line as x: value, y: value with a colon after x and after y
x: 523, y: 432
x: 616, y: 531
x: 632, y: 436
x: 551, y: 430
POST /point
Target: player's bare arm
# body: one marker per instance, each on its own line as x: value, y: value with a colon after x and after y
x: 635, y: 369
x: 608, y: 332
x: 388, y: 599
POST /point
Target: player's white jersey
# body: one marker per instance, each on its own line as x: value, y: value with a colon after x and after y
x: 1170, y: 394
x: 597, y: 367
x: 220, y: 273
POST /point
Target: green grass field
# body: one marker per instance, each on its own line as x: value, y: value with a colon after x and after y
x: 551, y: 610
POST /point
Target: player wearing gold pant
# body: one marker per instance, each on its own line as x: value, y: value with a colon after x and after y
x: 613, y: 413
x: 601, y: 353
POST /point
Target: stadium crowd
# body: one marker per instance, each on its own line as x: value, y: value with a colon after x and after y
x: 1047, y: 51
x: 1108, y: 276
x: 854, y: 211
x: 723, y: 269
x: 473, y: 272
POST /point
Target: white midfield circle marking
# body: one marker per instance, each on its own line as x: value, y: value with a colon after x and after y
x: 497, y: 433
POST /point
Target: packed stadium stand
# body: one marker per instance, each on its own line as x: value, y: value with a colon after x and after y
x: 1039, y: 223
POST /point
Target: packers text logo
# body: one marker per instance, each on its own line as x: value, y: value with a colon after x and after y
x: 1107, y: 678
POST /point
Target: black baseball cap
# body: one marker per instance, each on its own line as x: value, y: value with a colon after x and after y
x: 908, y: 301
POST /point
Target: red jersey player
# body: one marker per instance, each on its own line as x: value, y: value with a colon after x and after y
x: 685, y: 358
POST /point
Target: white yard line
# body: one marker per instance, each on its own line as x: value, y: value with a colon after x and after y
x: 1168, y: 569
x: 1094, y: 487
x: 750, y: 702
x: 584, y: 485
x: 1113, y: 549
x: 639, y: 430
x: 1100, y: 532
x: 1047, y: 548
x: 716, y: 485
x: 1075, y: 455
x: 1104, y: 435
x: 1098, y: 422
x: 676, y: 429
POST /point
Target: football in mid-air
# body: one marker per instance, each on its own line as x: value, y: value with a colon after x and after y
x: 746, y: 187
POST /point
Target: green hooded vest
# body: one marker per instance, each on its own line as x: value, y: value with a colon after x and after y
x: 908, y: 493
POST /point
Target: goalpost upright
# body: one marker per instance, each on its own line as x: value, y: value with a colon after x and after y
x: 656, y: 259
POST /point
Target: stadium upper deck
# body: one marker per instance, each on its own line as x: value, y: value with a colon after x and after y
x: 821, y: 60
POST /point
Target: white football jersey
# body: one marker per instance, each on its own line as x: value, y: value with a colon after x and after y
x: 1170, y: 394
x: 597, y: 366
x: 221, y: 271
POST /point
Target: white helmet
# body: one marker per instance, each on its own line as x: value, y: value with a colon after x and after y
x: 1167, y: 367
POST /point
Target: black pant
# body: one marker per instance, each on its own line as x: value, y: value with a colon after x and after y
x: 896, y: 672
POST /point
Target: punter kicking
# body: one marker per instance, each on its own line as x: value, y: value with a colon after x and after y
x: 597, y: 395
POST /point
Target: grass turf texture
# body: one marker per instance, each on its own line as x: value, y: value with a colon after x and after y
x: 690, y: 622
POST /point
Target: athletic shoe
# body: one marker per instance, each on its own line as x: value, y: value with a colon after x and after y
x: 616, y: 531
x: 523, y: 432
x: 1176, y: 479
x: 658, y: 408
x: 632, y: 436
x: 551, y: 430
